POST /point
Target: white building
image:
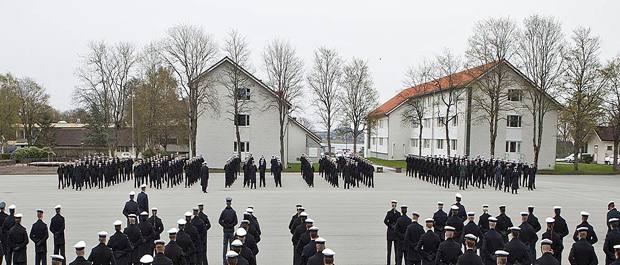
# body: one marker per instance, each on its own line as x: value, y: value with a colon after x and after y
x: 600, y: 143
x: 259, y: 125
x: 393, y: 139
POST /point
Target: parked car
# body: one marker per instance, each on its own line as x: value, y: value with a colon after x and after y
x: 570, y: 158
x: 610, y: 160
x: 127, y: 155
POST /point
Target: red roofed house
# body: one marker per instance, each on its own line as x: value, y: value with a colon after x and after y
x: 394, y: 139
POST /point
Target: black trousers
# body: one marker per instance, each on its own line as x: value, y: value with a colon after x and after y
x: 40, y: 258
x: 400, y: 256
x: 8, y: 256
x: 60, y: 249
x: 261, y: 181
x: 390, y: 243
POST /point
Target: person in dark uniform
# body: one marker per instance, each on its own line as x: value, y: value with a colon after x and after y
x: 146, y: 260
x: 503, y: 223
x: 591, y: 236
x: 582, y: 251
x: 560, y: 226
x: 616, y: 255
x: 3, y: 236
x: 57, y: 227
x: 120, y: 245
x: 528, y: 236
x: 160, y: 258
x: 501, y: 257
x: 448, y: 251
x: 204, y: 177
x: 253, y: 169
x: 469, y: 257
x: 557, y: 245
x: 310, y: 249
x: 207, y: 223
x: 201, y: 232
x: 328, y: 256
x: 262, y: 167
x: 462, y: 213
x: 79, y: 251
x: 39, y: 236
x: 317, y: 258
x: 483, y: 220
x: 228, y: 221
x: 57, y: 259
x: 156, y: 222
x: 492, y: 242
x: 135, y: 238
x: 612, y: 212
x: 440, y: 217
x: 131, y: 206
x: 17, y: 241
x: 547, y: 256
x: 518, y: 252
x: 390, y: 220
x: 184, y: 241
x: 400, y: 228
x: 231, y: 258
x: 611, y: 239
x: 148, y: 233
x: 143, y: 200
x: 101, y: 254
x: 428, y: 244
x: 456, y: 222
x: 412, y: 237
x: 9, y: 222
x: 471, y: 228
x: 173, y: 251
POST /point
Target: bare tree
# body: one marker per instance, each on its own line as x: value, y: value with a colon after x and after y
x: 189, y: 52
x: 584, y: 87
x: 33, y: 105
x: 358, y: 97
x: 417, y: 79
x: 236, y: 81
x: 324, y: 81
x: 447, y: 83
x: 105, y: 76
x: 541, y: 45
x: 285, y: 75
x: 304, y: 121
x: 611, y: 72
x: 493, y: 41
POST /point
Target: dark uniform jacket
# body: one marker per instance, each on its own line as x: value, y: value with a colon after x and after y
x: 474, y: 229
x: 121, y: 248
x: 457, y: 223
x: 101, y: 255
x: 148, y: 233
x: 556, y: 244
x: 400, y: 228
x: 533, y: 221
x: 427, y: 247
x: 560, y: 226
x: 157, y: 224
x: 80, y: 261
x: 185, y: 242
x: 547, y: 259
x: 175, y: 253
x: 412, y: 237
x: 246, y: 253
x: 57, y: 227
x: 469, y: 258
x: 611, y: 239
x: 389, y: 221
x: 228, y: 219
x: 136, y: 239
x: 440, y: 218
x: 317, y: 259
x: 17, y: 241
x: 308, y: 251
x: 143, y: 202
x: 131, y: 206
x: 161, y: 259
x: 503, y: 225
x: 590, y: 237
x: 204, y: 175
x: 492, y: 242
x: 483, y: 222
x: 518, y: 253
x: 448, y: 252
x: 527, y: 235
x: 39, y: 235
x: 582, y: 253
x: 199, y: 225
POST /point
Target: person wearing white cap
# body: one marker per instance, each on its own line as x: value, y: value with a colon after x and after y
x: 241, y: 248
x: 146, y: 259
x: 491, y: 242
x: 470, y: 256
x: 131, y: 207
x: 8, y: 223
x: 547, y: 254
x: 135, y: 237
x: 400, y: 228
x: 533, y: 220
x: 471, y: 228
x: 328, y: 256
x: 57, y: 227
x: 557, y: 246
x: 462, y: 213
x: 448, y: 251
x: 238, y: 247
x: 560, y: 226
x: 119, y: 244
x: 317, y: 258
x: 483, y: 220
x: 528, y: 235
x: 519, y: 252
x: 412, y: 236
x: 172, y: 250
x: 611, y: 239
x: 101, y: 254
x: 591, y: 237
x: 429, y: 242
x: 582, y: 251
x: 17, y: 241
x: 390, y: 220
x: 502, y: 257
x: 57, y: 259
x: 79, y: 251
x: 39, y: 236
x: 199, y: 235
x: 204, y: 177
x: 148, y: 232
x: 310, y: 249
x: 455, y: 221
x: 228, y: 221
x: 612, y: 212
x: 440, y: 217
x: 156, y: 222
x: 184, y: 240
x: 231, y: 258
x: 143, y: 200
x: 504, y: 223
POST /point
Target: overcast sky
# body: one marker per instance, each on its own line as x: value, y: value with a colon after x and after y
x: 42, y: 39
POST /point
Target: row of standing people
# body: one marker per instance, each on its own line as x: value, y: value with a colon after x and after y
x: 308, y: 247
x: 353, y: 170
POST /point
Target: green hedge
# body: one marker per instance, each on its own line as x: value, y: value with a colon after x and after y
x: 32, y: 152
x: 4, y: 156
x: 148, y: 153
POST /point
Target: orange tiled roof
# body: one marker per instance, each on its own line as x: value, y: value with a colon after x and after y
x: 459, y: 79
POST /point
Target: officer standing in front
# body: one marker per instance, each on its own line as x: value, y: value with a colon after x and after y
x: 389, y: 221
x: 39, y: 236
x: 57, y: 227
x: 228, y: 221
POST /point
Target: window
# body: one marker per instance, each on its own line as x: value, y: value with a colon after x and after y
x: 243, y: 120
x: 380, y: 141
x: 513, y: 146
x: 610, y: 148
x: 441, y: 121
x: 514, y: 95
x: 455, y: 120
x: 245, y: 146
x: 514, y: 121
x: 427, y: 123
x: 243, y: 94
x: 374, y: 141
x: 381, y: 123
x: 439, y: 144
x: 452, y: 144
x: 414, y: 142
x: 428, y: 102
x: 427, y: 143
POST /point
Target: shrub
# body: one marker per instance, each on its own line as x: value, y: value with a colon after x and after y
x: 31, y: 152
x: 148, y: 153
x: 5, y: 156
x: 587, y: 158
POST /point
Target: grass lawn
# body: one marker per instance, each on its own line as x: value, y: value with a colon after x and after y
x: 584, y: 169
x: 389, y: 163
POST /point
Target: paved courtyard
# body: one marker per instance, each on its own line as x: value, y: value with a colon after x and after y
x: 350, y: 220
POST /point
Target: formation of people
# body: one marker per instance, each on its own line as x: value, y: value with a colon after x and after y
x: 308, y: 247
x: 477, y: 172
x: 353, y: 170
x: 232, y: 168
x: 454, y: 237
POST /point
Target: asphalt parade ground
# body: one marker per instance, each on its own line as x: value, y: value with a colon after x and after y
x: 350, y: 220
